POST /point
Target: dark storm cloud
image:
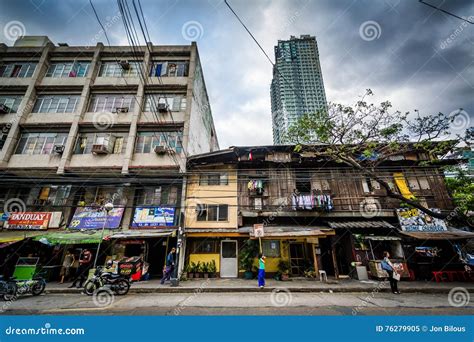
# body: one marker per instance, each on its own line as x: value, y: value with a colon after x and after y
x: 421, y: 58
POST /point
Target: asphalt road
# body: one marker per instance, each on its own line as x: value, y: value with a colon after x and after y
x: 282, y: 303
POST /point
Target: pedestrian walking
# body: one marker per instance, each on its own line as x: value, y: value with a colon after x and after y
x: 85, y: 263
x: 393, y: 275
x: 169, y: 267
x: 261, y: 270
x: 68, y: 262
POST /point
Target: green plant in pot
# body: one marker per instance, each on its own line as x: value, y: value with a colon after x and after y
x: 188, y: 270
x: 212, y: 268
x: 247, y: 256
x: 284, y: 269
x: 197, y: 270
x: 205, y: 269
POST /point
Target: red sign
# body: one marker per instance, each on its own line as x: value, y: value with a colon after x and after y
x: 28, y: 220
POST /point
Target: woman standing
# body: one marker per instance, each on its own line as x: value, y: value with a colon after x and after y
x: 261, y: 270
x: 393, y: 276
x: 68, y: 261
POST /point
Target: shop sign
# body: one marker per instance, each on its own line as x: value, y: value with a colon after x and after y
x: 153, y: 217
x: 91, y: 218
x: 414, y: 220
x: 258, y: 230
x: 28, y: 220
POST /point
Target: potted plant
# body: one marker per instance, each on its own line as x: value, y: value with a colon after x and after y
x: 205, y: 270
x: 197, y: 270
x: 310, y: 273
x: 284, y: 269
x: 189, y: 271
x: 212, y: 268
x: 247, y: 257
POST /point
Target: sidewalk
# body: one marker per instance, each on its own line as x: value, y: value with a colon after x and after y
x: 294, y: 285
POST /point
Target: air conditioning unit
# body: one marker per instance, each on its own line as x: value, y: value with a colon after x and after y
x: 162, y: 108
x: 121, y: 110
x: 4, y: 109
x: 160, y: 150
x: 124, y: 64
x: 100, y: 149
x: 59, y: 149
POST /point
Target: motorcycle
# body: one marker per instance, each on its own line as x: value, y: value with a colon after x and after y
x: 119, y: 284
x: 12, y: 288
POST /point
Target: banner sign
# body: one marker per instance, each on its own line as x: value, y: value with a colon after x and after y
x: 91, y: 218
x: 152, y: 217
x: 414, y: 220
x: 28, y: 220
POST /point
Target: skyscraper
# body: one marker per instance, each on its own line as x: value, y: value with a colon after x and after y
x: 297, y: 87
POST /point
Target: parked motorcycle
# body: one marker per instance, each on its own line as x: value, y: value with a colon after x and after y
x: 12, y: 288
x: 119, y: 284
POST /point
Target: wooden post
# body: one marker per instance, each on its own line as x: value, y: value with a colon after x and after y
x: 260, y: 244
x: 334, y: 259
x: 315, y: 258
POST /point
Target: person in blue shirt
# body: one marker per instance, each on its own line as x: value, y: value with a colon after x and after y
x: 261, y: 270
x: 392, y: 272
x: 169, y: 268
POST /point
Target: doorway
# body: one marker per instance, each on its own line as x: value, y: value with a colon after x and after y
x: 297, y: 259
x: 229, y: 259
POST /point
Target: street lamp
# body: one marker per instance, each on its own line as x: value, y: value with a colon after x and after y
x: 109, y: 206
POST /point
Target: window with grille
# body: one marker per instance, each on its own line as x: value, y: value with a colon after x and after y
x: 39, y: 143
x: 56, y: 104
x: 169, y: 69
x: 212, y: 212
x: 111, y: 102
x: 68, y: 69
x: 17, y: 69
x: 9, y: 103
x: 85, y: 141
x: 146, y: 141
x: 173, y: 102
x: 114, y: 69
x: 214, y: 179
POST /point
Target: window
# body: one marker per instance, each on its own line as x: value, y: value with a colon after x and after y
x: 303, y: 182
x: 19, y: 69
x: 68, y: 69
x: 55, y: 195
x: 169, y: 69
x: 39, y: 143
x: 212, y: 212
x: 205, y: 246
x: 115, y: 142
x: 160, y: 195
x: 100, y: 195
x: 146, y: 141
x: 114, y: 69
x: 271, y: 248
x: 56, y: 104
x: 175, y: 103
x: 3, y: 136
x: 214, y: 179
x: 111, y: 102
x: 9, y: 103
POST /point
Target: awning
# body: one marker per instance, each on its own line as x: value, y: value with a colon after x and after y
x: 74, y: 237
x: 214, y: 232
x: 450, y: 234
x: 382, y: 238
x: 15, y: 236
x: 359, y: 224
x: 138, y: 234
x: 292, y: 231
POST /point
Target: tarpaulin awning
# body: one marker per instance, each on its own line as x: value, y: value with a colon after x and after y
x: 15, y: 236
x: 382, y: 238
x: 74, y: 237
x: 137, y: 234
x: 450, y: 234
x: 359, y: 224
x: 291, y: 231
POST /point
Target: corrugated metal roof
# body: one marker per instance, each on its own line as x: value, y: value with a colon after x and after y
x: 359, y: 224
x: 451, y: 234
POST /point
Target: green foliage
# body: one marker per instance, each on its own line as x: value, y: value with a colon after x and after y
x: 247, y: 255
x: 212, y: 266
x: 461, y: 189
x: 284, y: 266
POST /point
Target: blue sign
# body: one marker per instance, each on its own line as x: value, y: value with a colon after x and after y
x: 91, y: 218
x: 152, y: 217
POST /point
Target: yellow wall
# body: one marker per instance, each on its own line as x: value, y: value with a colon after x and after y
x: 205, y: 258
x: 211, y: 194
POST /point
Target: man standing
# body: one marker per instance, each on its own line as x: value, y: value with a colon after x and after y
x: 169, y: 268
x: 85, y: 262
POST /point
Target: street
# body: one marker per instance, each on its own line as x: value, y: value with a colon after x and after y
x: 265, y: 303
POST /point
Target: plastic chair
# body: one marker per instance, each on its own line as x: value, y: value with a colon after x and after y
x: 323, y: 275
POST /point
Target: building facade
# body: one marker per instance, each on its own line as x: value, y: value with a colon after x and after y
x: 86, y: 125
x: 297, y: 86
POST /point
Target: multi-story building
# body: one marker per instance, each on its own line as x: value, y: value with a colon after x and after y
x: 297, y: 86
x: 316, y: 215
x: 86, y: 125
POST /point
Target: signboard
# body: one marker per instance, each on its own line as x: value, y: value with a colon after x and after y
x: 153, y: 217
x: 91, y: 218
x: 28, y: 220
x: 258, y: 230
x: 414, y: 220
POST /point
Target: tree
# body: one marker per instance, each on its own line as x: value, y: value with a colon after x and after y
x: 366, y: 135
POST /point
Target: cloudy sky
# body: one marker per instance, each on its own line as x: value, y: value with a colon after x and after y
x: 406, y: 52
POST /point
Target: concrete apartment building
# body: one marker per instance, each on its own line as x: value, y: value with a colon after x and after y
x: 297, y: 86
x: 81, y: 126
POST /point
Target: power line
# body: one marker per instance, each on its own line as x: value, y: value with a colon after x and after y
x: 444, y: 11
